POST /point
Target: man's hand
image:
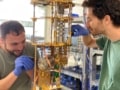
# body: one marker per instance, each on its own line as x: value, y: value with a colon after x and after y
x: 23, y: 63
x: 78, y: 30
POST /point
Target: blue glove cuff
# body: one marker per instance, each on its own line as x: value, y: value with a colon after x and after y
x: 17, y: 71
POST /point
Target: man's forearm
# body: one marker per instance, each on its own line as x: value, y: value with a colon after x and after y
x: 30, y: 73
x: 90, y: 41
x: 8, y: 81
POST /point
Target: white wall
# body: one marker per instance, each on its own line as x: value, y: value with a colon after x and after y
x: 22, y: 10
x: 78, y: 9
x: 16, y: 9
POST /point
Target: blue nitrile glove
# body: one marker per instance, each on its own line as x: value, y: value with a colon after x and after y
x: 23, y: 63
x: 78, y: 30
x: 19, y: 67
x: 27, y: 62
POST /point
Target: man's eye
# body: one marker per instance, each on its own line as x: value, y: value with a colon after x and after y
x: 14, y: 44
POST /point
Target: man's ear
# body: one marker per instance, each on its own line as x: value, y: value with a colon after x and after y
x: 107, y: 20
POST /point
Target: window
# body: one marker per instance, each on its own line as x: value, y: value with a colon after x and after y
x: 22, y: 10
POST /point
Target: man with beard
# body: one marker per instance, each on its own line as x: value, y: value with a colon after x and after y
x: 103, y: 17
x: 16, y: 64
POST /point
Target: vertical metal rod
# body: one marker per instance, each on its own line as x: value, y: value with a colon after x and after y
x: 35, y: 67
x: 33, y: 37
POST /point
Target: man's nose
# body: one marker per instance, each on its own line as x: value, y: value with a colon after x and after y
x: 20, y: 46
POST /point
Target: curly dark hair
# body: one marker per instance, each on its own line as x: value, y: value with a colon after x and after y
x: 105, y: 7
x: 10, y: 26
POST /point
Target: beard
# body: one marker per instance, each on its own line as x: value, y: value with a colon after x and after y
x: 15, y: 52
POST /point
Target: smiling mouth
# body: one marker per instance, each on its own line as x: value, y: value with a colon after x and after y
x: 18, y: 52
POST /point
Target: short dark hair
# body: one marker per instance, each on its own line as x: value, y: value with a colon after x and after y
x: 105, y: 7
x: 11, y: 26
